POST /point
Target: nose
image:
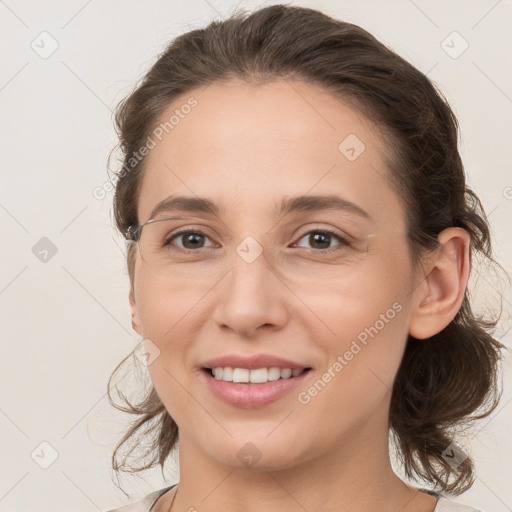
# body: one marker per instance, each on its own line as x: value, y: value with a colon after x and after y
x: 252, y: 298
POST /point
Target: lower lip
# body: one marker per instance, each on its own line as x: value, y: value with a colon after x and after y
x: 251, y: 396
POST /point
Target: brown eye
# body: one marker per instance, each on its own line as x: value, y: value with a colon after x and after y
x: 320, y: 240
x: 190, y: 240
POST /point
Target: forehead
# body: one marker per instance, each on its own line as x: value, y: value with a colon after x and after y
x: 247, y: 146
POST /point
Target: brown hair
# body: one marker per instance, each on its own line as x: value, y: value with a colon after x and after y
x: 443, y: 383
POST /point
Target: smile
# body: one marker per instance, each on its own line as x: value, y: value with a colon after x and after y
x: 250, y: 389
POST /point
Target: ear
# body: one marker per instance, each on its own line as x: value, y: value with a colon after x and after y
x: 439, y: 297
x: 135, y: 313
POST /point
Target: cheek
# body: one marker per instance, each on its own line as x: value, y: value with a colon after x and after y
x: 171, y: 317
x: 354, y: 298
x: 355, y: 383
x: 367, y: 319
x: 369, y: 334
x: 165, y: 308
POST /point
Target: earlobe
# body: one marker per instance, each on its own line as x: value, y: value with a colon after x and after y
x: 134, y: 311
x: 438, y: 299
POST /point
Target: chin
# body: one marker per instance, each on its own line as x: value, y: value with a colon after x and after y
x: 257, y: 454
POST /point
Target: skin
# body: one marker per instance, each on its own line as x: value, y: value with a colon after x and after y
x: 246, y: 147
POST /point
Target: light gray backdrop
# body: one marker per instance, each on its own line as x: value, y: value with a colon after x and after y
x: 63, y: 287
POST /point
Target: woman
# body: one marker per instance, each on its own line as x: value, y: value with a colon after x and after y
x: 300, y: 238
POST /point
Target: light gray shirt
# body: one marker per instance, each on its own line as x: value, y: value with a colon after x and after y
x: 444, y: 503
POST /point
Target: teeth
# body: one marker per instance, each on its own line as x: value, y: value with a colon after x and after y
x: 256, y: 376
x: 226, y: 373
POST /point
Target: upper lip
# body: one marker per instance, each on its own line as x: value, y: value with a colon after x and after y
x: 252, y: 362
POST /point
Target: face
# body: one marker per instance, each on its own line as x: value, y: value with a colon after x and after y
x: 259, y: 281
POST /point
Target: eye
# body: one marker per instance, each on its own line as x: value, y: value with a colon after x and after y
x: 190, y: 240
x: 322, y: 238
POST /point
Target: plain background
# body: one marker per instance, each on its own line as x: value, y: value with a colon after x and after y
x: 66, y: 321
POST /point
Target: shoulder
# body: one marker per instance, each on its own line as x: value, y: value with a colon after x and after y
x: 143, y: 505
x: 446, y: 504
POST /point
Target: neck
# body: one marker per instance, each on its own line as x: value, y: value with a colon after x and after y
x: 354, y: 475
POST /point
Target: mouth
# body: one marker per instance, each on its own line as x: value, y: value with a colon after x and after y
x: 250, y: 381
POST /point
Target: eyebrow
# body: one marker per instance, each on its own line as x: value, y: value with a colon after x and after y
x: 285, y: 206
x: 314, y: 203
x: 186, y: 204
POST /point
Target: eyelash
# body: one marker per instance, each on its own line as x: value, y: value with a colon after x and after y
x: 344, y: 243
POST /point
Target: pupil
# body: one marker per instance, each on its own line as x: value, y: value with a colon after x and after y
x: 191, y: 237
x: 315, y: 239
